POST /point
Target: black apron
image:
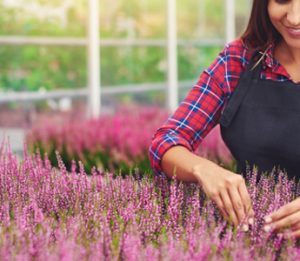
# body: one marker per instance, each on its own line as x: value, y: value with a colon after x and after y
x: 261, y: 124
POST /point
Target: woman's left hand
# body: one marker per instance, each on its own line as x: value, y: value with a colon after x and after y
x: 285, y: 220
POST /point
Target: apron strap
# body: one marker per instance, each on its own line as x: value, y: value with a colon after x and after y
x: 252, y: 72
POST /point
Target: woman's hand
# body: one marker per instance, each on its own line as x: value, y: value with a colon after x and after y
x: 228, y: 190
x: 285, y: 220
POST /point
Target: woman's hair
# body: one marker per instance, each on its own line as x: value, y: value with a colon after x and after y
x: 260, y: 32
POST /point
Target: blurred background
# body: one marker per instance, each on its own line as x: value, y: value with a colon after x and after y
x: 151, y: 52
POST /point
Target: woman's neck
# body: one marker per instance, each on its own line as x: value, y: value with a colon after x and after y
x: 287, y: 55
x: 289, y: 58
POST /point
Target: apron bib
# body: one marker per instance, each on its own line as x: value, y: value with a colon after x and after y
x: 261, y: 124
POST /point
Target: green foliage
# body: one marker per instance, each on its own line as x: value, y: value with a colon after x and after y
x: 33, y: 68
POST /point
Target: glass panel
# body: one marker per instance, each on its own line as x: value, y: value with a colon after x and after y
x: 149, y: 98
x: 133, y: 19
x: 192, y: 60
x: 131, y: 65
x: 43, y: 17
x: 38, y: 68
x: 201, y: 19
x: 242, y: 12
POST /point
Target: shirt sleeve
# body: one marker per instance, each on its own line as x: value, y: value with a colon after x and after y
x: 197, y: 114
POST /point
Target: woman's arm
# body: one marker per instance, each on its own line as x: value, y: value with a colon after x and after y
x: 180, y: 161
x: 170, y: 150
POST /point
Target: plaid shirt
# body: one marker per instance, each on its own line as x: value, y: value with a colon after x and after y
x: 200, y: 111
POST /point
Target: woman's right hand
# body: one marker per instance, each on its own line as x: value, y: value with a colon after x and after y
x: 228, y: 190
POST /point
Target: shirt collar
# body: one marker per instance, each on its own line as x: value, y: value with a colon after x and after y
x: 269, y: 59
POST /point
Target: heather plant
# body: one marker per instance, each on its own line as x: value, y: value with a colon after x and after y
x: 117, y: 142
x: 51, y: 214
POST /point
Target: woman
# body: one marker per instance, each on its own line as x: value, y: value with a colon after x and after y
x: 253, y: 90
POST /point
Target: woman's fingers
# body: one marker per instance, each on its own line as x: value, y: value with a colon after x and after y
x: 229, y: 192
x: 294, y: 234
x: 236, y: 201
x: 217, y: 199
x: 229, y: 207
x: 284, y: 211
x: 247, y: 203
x: 285, y: 217
x: 237, y: 204
x: 285, y: 223
x: 295, y: 227
x: 290, y: 234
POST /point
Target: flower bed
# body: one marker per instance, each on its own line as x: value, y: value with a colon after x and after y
x: 118, y: 142
x: 51, y: 214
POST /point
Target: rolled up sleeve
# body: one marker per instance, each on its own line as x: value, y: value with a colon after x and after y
x: 201, y: 110
x: 191, y: 122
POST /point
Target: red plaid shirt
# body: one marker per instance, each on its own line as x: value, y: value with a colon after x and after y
x: 200, y: 111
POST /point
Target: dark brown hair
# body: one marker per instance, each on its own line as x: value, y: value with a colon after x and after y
x: 260, y: 32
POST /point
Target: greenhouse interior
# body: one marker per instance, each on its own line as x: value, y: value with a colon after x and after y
x: 85, y: 85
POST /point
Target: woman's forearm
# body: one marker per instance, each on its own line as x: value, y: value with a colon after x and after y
x: 180, y: 161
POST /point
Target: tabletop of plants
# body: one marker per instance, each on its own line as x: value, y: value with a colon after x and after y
x: 85, y: 191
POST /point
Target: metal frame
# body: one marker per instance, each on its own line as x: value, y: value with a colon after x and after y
x: 83, y: 92
x: 230, y: 20
x: 172, y: 87
x: 77, y: 41
x: 94, y: 83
